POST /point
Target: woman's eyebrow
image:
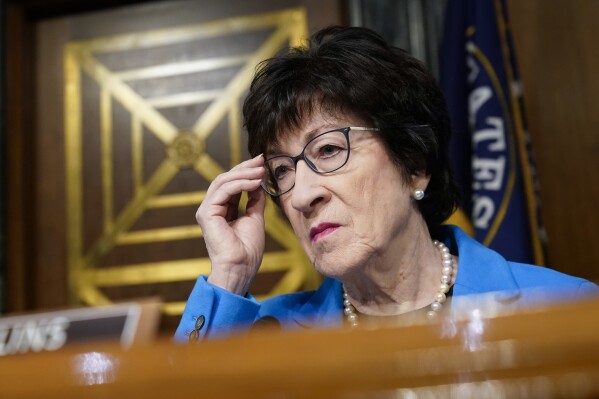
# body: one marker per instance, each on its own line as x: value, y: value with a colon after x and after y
x: 270, y: 152
x: 319, y: 130
x: 313, y: 133
x: 275, y: 149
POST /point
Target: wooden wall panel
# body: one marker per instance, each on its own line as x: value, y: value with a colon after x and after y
x: 39, y: 257
x: 556, y: 45
x: 49, y: 281
x: 19, y: 158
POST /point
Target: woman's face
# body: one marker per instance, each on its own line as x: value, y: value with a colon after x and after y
x: 355, y: 215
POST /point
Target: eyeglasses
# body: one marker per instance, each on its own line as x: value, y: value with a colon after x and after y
x: 325, y: 153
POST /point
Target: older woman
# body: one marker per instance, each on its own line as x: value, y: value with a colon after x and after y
x: 350, y: 138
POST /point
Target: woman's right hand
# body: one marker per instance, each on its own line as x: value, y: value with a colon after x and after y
x: 235, y: 243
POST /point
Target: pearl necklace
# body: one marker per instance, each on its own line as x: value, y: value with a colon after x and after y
x: 440, y: 297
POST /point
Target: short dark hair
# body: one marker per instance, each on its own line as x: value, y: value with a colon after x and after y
x: 353, y: 70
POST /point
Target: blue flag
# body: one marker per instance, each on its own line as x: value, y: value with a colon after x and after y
x: 490, y: 153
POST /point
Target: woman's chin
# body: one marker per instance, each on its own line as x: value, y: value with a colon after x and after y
x: 335, y: 266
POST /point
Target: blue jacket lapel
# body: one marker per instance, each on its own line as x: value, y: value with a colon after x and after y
x: 480, y: 269
x: 324, y: 308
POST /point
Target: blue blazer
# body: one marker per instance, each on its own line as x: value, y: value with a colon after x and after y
x: 480, y: 270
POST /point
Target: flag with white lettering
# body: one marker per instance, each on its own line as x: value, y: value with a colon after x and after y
x: 490, y: 150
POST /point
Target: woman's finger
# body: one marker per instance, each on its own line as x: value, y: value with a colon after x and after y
x: 232, y: 175
x: 233, y: 208
x: 256, y: 203
x: 223, y: 195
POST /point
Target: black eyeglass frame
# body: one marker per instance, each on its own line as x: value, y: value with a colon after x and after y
x: 301, y: 156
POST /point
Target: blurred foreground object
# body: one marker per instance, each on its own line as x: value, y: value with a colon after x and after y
x: 126, y: 323
x: 547, y: 352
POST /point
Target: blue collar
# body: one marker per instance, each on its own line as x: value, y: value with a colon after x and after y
x: 324, y: 308
x: 480, y: 269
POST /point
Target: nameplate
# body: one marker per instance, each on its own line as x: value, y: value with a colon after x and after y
x: 51, y: 331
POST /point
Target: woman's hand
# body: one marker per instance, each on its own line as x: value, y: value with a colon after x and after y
x: 235, y: 244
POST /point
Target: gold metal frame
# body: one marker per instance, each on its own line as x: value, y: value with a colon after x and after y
x: 185, y: 149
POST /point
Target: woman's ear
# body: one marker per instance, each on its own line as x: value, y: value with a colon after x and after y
x: 419, y: 180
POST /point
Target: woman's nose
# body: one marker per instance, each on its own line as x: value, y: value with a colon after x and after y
x: 308, y: 191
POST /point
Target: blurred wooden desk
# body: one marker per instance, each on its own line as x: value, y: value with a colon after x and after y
x: 537, y: 354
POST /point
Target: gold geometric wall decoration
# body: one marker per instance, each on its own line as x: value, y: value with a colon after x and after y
x: 185, y: 148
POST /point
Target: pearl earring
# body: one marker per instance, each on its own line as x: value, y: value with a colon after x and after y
x: 418, y: 194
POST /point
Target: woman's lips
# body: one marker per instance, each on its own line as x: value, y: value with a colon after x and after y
x: 322, y: 230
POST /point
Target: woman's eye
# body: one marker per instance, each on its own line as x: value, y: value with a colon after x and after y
x: 280, y: 172
x: 329, y: 150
